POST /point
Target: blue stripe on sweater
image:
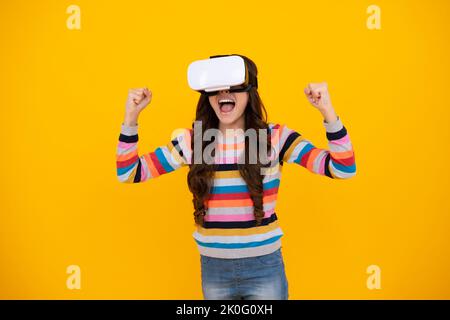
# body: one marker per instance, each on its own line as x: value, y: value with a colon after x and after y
x: 162, y: 159
x: 238, y: 245
x: 121, y: 171
x: 305, y: 149
x: 340, y: 167
x: 242, y: 188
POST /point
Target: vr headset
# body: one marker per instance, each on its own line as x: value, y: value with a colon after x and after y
x: 220, y: 72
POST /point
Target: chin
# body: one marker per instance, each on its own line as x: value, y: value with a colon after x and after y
x: 227, y: 120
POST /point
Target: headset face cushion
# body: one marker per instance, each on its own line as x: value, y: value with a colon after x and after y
x: 217, y: 73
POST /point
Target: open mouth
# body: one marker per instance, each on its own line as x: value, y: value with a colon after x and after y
x: 226, y: 105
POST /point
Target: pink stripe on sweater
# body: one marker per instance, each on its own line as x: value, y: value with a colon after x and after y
x: 227, y: 160
x: 126, y: 145
x: 322, y: 165
x: 342, y: 140
x: 143, y: 173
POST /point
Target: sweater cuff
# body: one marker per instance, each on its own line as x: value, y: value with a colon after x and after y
x: 129, y: 130
x: 334, y: 126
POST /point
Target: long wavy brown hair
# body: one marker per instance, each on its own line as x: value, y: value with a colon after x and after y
x: 201, y: 175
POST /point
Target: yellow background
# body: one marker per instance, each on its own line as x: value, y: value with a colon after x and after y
x: 63, y: 94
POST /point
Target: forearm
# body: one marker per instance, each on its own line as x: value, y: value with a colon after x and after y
x: 130, y: 119
x: 127, y: 157
x: 339, y: 159
x: 329, y: 115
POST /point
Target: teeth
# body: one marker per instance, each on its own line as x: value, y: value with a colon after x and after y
x: 225, y: 101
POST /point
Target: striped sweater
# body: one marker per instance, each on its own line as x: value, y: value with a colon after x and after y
x: 229, y: 229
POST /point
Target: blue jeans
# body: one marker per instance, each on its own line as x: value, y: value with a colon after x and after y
x: 254, y: 278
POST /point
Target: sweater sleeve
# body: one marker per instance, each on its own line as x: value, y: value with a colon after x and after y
x: 133, y: 167
x: 336, y: 162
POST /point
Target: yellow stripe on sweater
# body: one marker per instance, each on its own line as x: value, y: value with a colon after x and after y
x: 238, y: 232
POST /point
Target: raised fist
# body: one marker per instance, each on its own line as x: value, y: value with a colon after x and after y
x: 318, y: 95
x: 137, y: 100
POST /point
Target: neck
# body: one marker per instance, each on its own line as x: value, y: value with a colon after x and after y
x: 238, y: 124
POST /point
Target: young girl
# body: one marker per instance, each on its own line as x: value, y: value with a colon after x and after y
x: 237, y: 231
